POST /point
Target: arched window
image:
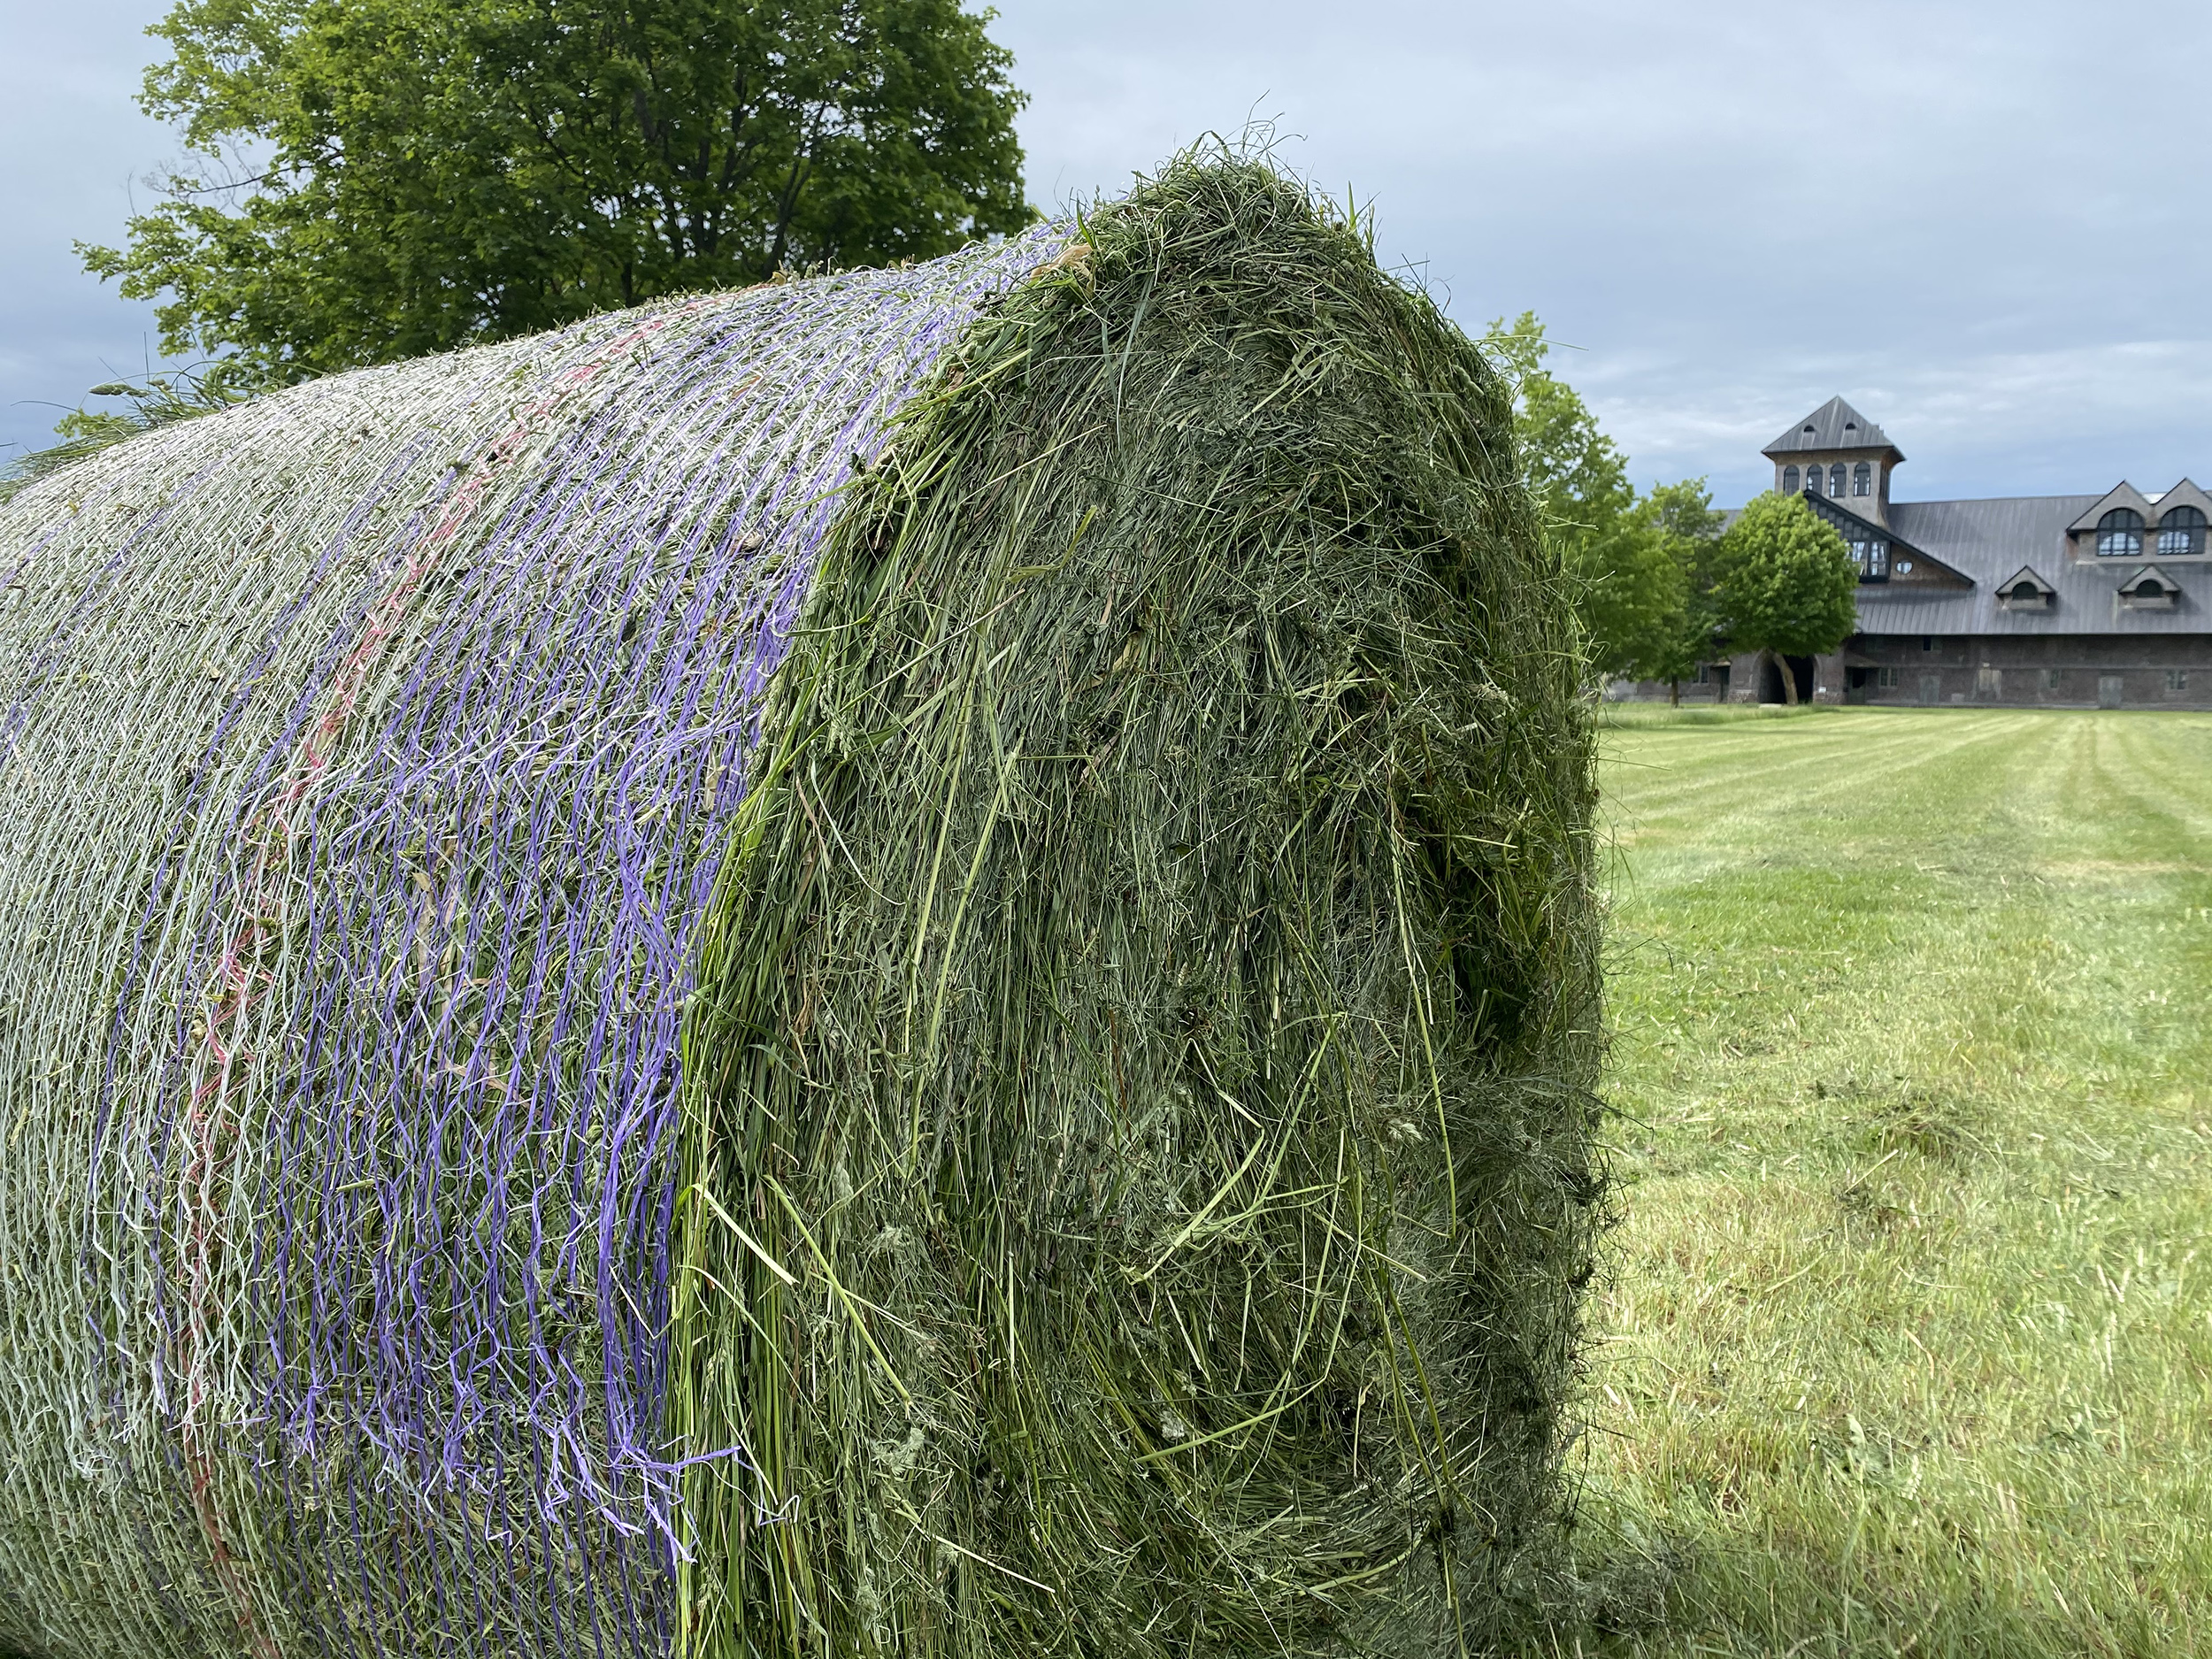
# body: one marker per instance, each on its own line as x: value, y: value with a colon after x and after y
x: 1789, y: 481
x: 1835, y: 480
x: 2120, y: 533
x: 1863, y: 480
x: 2182, y: 530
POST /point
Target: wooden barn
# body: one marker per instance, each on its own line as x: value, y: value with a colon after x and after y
x: 2082, y: 601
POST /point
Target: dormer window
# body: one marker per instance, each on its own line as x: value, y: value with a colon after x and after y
x: 2120, y: 533
x: 2181, y: 531
x: 1789, y: 481
x: 2148, y: 589
x: 1835, y: 480
x: 2024, y: 590
x: 1863, y: 480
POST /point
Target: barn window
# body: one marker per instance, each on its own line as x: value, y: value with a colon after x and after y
x: 2120, y: 533
x: 1886, y: 679
x: 1835, y: 480
x: 2148, y: 589
x: 1789, y: 481
x: 2176, y: 680
x: 2181, y: 531
x: 1863, y: 480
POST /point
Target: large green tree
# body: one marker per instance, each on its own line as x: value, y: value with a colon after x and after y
x: 374, y: 178
x: 1787, y: 586
x: 1633, y: 597
x: 1683, y: 518
x: 1628, y: 576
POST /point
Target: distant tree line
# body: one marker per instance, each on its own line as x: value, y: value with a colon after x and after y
x: 1660, y: 585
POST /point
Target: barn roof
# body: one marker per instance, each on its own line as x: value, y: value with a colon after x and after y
x: 1986, y: 541
x: 1835, y: 424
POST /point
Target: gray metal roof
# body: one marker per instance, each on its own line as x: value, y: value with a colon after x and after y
x: 2121, y: 495
x: 1988, y: 540
x: 1835, y: 424
x: 2154, y: 507
x: 1856, y: 527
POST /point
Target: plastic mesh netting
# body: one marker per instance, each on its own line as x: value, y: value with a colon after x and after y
x: 367, y: 759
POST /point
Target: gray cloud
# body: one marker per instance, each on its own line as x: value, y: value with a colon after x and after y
x: 1979, y: 223
x: 1982, y: 224
x: 76, y: 144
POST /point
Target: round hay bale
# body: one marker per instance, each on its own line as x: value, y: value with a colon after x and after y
x: 901, y: 963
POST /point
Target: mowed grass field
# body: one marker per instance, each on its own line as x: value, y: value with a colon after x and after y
x: 1907, y: 1347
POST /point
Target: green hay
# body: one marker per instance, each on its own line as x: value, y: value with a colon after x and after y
x: 1138, y: 1169
x: 1131, y: 1151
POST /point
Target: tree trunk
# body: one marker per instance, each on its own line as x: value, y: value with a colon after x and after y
x: 1674, y: 693
x: 1789, y: 678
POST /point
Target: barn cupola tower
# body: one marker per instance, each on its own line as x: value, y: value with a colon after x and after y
x: 1837, y: 453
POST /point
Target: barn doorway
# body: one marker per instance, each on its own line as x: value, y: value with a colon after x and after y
x: 1770, y: 673
x: 2109, y: 691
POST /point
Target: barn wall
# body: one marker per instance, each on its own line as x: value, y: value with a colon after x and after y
x: 2044, y: 671
x: 2053, y: 671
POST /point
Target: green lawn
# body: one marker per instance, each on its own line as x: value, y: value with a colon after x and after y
x: 1908, y: 1345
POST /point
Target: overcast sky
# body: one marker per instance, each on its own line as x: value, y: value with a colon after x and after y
x: 1985, y: 225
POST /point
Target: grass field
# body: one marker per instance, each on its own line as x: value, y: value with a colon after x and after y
x: 1908, y: 1345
